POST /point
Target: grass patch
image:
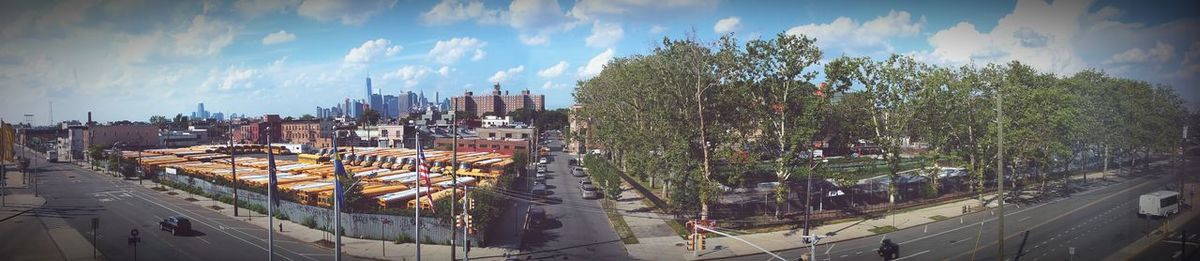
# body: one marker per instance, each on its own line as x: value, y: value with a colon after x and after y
x: 883, y: 230
x: 939, y: 218
x: 618, y: 223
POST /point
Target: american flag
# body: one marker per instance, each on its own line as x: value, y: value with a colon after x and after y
x: 423, y: 173
x: 273, y: 182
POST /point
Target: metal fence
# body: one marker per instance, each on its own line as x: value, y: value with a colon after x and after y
x: 358, y: 225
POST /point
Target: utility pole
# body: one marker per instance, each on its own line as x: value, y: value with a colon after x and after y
x: 233, y: 169
x: 454, y: 176
x: 1000, y: 163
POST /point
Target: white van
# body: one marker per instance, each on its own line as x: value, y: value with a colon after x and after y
x: 1159, y: 203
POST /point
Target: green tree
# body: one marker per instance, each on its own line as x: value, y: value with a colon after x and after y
x: 159, y: 120
x: 308, y: 117
x: 368, y: 117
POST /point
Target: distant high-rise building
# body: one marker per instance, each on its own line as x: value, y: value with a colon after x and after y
x: 346, y: 108
x: 445, y: 105
x: 369, y: 92
x: 356, y: 109
x: 218, y: 116
x: 392, y: 103
x: 376, y: 103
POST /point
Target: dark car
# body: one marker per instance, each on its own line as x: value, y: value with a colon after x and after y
x: 178, y: 225
x: 538, y: 189
x: 537, y: 217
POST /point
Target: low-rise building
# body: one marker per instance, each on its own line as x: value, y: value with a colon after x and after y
x: 132, y: 136
x: 502, y: 146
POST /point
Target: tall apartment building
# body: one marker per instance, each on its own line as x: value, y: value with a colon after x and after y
x: 497, y: 103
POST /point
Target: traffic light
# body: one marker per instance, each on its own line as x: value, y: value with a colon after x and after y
x: 470, y: 204
x: 458, y: 221
x: 691, y: 242
x: 702, y: 237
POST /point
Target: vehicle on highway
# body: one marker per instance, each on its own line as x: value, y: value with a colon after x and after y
x: 888, y: 250
x: 538, y: 189
x: 178, y: 225
x: 589, y: 194
x: 536, y: 217
x: 1159, y: 203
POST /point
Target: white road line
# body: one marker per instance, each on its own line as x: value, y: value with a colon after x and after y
x: 830, y: 248
x: 1023, y: 219
x: 912, y: 255
x: 926, y: 229
x: 960, y: 240
x: 1176, y: 255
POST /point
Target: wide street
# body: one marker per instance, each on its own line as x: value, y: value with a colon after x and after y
x: 1091, y: 224
x: 76, y: 195
x: 577, y: 228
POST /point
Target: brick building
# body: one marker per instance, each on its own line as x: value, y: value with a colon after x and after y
x: 497, y: 103
x: 315, y: 133
x: 502, y: 146
x: 133, y: 136
x: 255, y: 131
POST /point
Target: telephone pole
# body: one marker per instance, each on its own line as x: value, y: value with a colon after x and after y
x: 1000, y: 163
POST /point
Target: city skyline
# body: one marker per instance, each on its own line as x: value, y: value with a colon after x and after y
x: 285, y: 57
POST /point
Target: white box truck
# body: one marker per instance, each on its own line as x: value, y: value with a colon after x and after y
x: 1159, y: 203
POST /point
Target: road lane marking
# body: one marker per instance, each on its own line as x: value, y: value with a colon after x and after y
x: 1047, y: 221
x: 830, y: 248
x: 1023, y: 219
x: 960, y: 240
x: 222, y: 231
x: 912, y: 255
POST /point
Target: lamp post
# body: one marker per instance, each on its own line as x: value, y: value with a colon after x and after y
x: 454, y: 176
x: 233, y: 169
x: 808, y: 192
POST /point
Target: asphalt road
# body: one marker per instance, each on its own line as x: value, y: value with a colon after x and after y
x: 577, y: 228
x: 79, y: 195
x: 1094, y: 223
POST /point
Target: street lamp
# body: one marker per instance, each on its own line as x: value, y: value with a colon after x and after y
x: 808, y: 191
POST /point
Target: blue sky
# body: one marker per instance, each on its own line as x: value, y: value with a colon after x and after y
x: 131, y: 59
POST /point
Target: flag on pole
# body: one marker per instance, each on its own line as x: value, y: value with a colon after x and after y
x: 273, y: 182
x: 423, y: 173
x: 338, y: 172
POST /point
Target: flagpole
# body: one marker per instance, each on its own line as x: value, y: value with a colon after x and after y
x: 270, y: 204
x: 337, y: 200
x: 417, y: 213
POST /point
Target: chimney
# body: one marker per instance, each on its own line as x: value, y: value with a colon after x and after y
x: 89, y: 122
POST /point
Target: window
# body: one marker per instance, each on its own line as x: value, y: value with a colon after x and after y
x: 491, y: 135
x: 508, y: 135
x: 525, y: 135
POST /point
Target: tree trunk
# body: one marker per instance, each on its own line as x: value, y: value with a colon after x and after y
x: 703, y: 145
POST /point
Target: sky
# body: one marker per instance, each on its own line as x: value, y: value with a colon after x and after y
x: 132, y: 59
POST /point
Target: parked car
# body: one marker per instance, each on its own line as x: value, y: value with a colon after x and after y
x: 584, y: 181
x: 541, y: 169
x: 589, y: 194
x: 538, y: 189
x: 178, y: 225
x: 578, y: 172
x: 537, y: 217
x: 587, y: 187
x: 543, y: 160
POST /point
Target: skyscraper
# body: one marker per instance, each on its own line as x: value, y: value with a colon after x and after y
x: 369, y: 92
x: 200, y: 113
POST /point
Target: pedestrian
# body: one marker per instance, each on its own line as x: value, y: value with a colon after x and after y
x: 280, y: 227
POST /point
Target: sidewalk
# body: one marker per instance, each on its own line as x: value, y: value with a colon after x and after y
x: 70, y: 244
x: 672, y: 247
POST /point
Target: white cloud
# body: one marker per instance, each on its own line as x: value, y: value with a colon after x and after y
x: 536, y: 39
x: 254, y: 8
x: 505, y: 76
x: 638, y: 9
x: 278, y: 37
x: 849, y: 34
x: 444, y: 71
x: 538, y: 15
x: 450, y: 51
x: 554, y: 70
x: 1036, y: 33
x: 604, y: 34
x: 203, y: 37
x: 346, y: 12
x: 1190, y: 66
x: 1161, y: 53
x: 656, y: 29
x: 728, y: 25
x: 231, y: 78
x: 596, y: 64
x: 371, y: 51
x: 411, y: 75
x: 452, y: 11
x: 551, y: 85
